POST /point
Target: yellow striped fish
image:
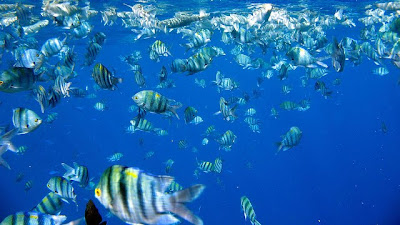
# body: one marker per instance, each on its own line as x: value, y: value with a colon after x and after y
x: 136, y: 197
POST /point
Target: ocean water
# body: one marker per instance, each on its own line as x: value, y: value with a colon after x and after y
x: 345, y: 169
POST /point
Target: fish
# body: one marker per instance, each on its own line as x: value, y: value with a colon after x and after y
x: 22, y: 149
x: 115, y: 157
x: 218, y: 165
x: 204, y: 141
x: 28, y: 185
x: 227, y: 112
x: 148, y: 155
x: 174, y: 187
x: 197, y: 120
x: 301, y: 57
x: 250, y: 112
x: 77, y: 173
x: 51, y: 117
x: 20, y: 177
x: 154, y: 102
x: 168, y: 165
x: 137, y: 197
x: 92, y: 215
x: 25, y: 120
x: 190, y: 114
x: 139, y: 79
x: 290, y: 139
x: 61, y: 86
x: 289, y: 105
x: 31, y: 218
x: 91, y: 53
x: 157, y: 49
x: 248, y: 210
x: 53, y: 46
x: 51, y: 204
x: 100, y: 106
x: 182, y: 144
x: 201, y: 83
x: 18, y: 79
x: 104, y: 78
x: 226, y: 140
x: 62, y: 187
x: 29, y: 58
x: 142, y: 124
x: 338, y: 56
x: 205, y: 166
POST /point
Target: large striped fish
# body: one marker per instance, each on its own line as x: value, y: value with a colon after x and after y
x: 154, y: 102
x: 62, y: 187
x: 139, y: 198
x: 104, y: 78
x: 248, y: 210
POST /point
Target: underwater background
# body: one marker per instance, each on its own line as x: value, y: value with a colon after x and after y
x: 344, y: 170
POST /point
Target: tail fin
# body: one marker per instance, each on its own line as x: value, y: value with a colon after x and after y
x: 3, y: 149
x: 256, y: 222
x: 178, y: 199
x: 70, y: 172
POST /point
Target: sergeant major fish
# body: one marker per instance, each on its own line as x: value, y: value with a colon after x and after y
x: 104, y: 78
x: 136, y: 197
x: 154, y: 102
x: 77, y: 173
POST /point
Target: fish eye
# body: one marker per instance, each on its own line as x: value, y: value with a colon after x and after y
x: 56, y: 192
x: 136, y: 97
x: 48, y: 185
x: 37, y: 55
x: 1, y: 82
x: 36, y: 120
x: 97, y: 192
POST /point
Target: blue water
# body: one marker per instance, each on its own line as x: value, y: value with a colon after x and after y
x: 344, y: 171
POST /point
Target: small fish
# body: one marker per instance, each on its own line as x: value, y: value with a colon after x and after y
x: 289, y: 105
x: 62, y: 187
x: 22, y: 149
x: 104, y: 78
x: 148, y: 203
x: 154, y: 102
x: 77, y: 173
x: 182, y: 144
x: 51, y: 117
x: 227, y: 140
x: 301, y: 57
x: 18, y: 79
x: 250, y: 112
x: 52, y: 46
x: 28, y: 185
x: 274, y: 113
x: 168, y: 165
x: 115, y: 157
x: 218, y: 165
x: 204, y: 141
x: 290, y: 139
x: 141, y: 124
x: 100, y: 106
x: 33, y: 218
x: 381, y: 71
x: 174, y: 187
x: 197, y: 120
x: 201, y: 83
x: 160, y: 132
x: 205, y: 166
x: 190, y: 114
x: 248, y: 210
x: 20, y: 177
x: 210, y: 130
x: 148, y: 155
x: 30, y: 58
x: 51, y: 204
x: 157, y: 49
x: 383, y: 128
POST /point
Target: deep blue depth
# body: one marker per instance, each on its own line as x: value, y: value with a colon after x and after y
x: 344, y: 171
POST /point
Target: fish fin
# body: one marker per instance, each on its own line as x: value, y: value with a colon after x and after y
x: 280, y: 146
x: 64, y: 200
x: 179, y: 198
x: 256, y: 222
x: 164, y: 182
x: 3, y: 162
x: 167, y: 219
x: 69, y: 171
x: 321, y: 64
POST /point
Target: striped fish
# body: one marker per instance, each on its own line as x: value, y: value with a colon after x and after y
x: 290, y: 139
x: 218, y: 165
x: 289, y: 105
x: 190, y: 114
x: 139, y: 78
x: 154, y: 102
x: 92, y: 51
x: 104, y: 78
x: 227, y: 140
x: 182, y: 144
x: 51, y: 204
x: 41, y: 97
x: 139, y: 198
x: 25, y: 120
x: 142, y: 124
x: 77, y: 173
x: 168, y: 165
x: 28, y: 185
x: 248, y: 210
x: 115, y: 157
x: 62, y: 187
x: 321, y: 87
x: 52, y: 46
x: 158, y: 49
x: 205, y: 166
x: 174, y: 187
x: 17, y: 79
x: 227, y: 112
x: 61, y: 86
x: 33, y: 218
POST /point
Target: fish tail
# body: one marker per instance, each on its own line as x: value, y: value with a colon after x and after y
x: 256, y: 222
x: 69, y: 170
x: 3, y: 162
x: 280, y: 146
x: 178, y: 199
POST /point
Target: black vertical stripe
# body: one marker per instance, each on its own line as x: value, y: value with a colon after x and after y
x: 153, y: 197
x: 52, y: 204
x: 13, y: 220
x: 123, y: 193
x: 108, y: 184
x: 26, y: 219
x: 140, y: 195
